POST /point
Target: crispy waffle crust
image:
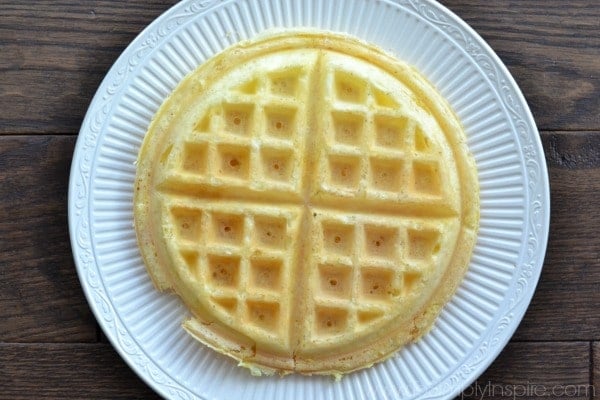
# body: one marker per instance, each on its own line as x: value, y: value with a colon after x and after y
x: 310, y: 198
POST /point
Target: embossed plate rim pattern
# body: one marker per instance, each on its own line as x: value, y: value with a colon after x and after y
x: 445, y: 361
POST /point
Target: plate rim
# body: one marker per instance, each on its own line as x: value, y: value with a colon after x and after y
x: 90, y: 131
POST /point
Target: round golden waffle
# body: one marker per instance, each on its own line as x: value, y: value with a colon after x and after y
x: 310, y: 198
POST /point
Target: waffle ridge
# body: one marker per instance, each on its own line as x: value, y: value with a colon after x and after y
x: 306, y: 207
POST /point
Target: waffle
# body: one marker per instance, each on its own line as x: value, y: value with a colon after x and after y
x: 310, y: 198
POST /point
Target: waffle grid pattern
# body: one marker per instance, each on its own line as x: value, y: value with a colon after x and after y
x: 223, y: 151
x: 359, y: 270
x: 362, y: 267
x: 373, y: 148
x: 244, y: 259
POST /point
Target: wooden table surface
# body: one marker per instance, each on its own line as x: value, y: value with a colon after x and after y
x: 53, y: 55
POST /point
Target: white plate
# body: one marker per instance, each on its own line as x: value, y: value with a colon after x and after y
x: 144, y: 325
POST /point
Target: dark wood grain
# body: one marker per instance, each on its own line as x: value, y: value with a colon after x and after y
x: 595, y: 368
x: 564, y: 306
x: 95, y: 371
x: 67, y: 371
x: 552, y: 48
x: 41, y: 300
x: 53, y: 56
x: 40, y: 295
x: 62, y: 50
x: 534, y: 371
